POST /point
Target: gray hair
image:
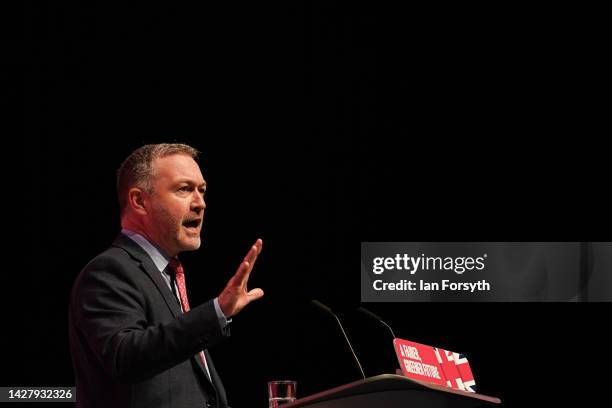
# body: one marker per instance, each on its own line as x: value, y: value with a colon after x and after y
x: 137, y: 169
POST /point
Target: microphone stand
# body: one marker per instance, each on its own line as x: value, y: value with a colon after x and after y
x: 326, y: 309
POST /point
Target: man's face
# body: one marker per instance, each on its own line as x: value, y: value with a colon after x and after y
x: 176, y: 206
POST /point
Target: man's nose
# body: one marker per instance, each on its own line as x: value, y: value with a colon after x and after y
x: 198, y: 204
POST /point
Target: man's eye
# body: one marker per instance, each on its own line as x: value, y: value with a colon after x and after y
x: 185, y: 188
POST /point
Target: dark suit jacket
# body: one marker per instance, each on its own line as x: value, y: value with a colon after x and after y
x: 131, y: 346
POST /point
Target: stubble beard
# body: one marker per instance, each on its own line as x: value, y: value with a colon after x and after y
x: 174, y: 231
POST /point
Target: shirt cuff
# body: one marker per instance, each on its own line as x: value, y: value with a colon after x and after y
x: 223, y: 321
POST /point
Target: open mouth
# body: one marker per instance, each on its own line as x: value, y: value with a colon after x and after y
x: 192, y: 224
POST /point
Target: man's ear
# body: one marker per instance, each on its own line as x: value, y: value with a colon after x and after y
x: 136, y: 200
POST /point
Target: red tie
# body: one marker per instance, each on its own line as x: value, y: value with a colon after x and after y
x: 176, y: 266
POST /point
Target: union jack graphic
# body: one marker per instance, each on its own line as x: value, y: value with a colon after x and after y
x: 465, y: 371
x: 456, y: 369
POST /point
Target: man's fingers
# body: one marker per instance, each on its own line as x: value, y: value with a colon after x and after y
x: 254, y: 251
x: 251, y: 257
x: 240, y: 275
x: 235, y: 296
x: 255, y: 294
x: 252, y: 254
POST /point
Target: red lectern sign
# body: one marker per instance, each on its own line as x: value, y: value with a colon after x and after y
x: 434, y: 365
x: 419, y: 361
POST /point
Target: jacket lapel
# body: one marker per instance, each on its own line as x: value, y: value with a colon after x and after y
x: 147, y: 265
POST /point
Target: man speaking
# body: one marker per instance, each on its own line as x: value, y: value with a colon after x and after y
x: 134, y: 339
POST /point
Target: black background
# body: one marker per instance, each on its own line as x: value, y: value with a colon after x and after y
x: 321, y: 126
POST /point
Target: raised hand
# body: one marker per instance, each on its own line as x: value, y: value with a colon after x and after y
x: 236, y: 296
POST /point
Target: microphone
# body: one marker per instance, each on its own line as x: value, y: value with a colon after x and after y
x: 328, y: 310
x: 375, y: 317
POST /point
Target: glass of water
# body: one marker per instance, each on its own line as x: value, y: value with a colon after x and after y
x: 281, y: 392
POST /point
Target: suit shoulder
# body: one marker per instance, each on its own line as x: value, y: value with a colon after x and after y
x: 111, y: 271
x: 113, y: 259
x: 114, y: 263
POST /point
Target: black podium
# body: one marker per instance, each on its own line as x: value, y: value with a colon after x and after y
x: 393, y: 391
